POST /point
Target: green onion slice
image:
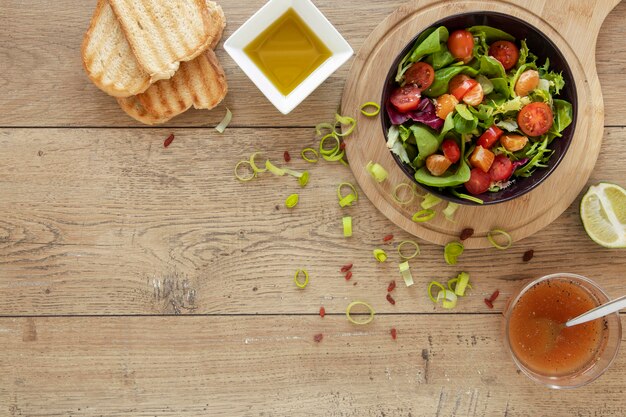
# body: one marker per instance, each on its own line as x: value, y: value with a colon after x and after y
x: 304, y: 179
x: 292, y: 172
x: 306, y: 158
x: 334, y: 150
x: 452, y: 251
x: 292, y: 201
x: 452, y: 283
x: 377, y: 171
x: 430, y: 288
x: 499, y: 232
x: 253, y: 163
x: 360, y: 303
x: 244, y: 178
x: 345, y: 120
x: 411, y: 243
x: 449, y: 211
x: 301, y: 284
x: 343, y: 161
x: 430, y: 201
x: 347, y: 184
x: 320, y: 126
x: 370, y: 113
x: 423, y: 216
x: 347, y: 226
x: 225, y: 121
x: 274, y: 169
x: 380, y: 255
x: 334, y: 157
x: 405, y: 271
x: 449, y: 298
x: 396, y: 197
x: 347, y: 200
x: 461, y: 284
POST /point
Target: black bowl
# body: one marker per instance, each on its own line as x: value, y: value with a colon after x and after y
x: 538, y: 44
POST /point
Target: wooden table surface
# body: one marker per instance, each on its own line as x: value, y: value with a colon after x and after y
x: 142, y: 281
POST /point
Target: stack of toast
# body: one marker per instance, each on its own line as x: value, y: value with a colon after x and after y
x: 156, y: 56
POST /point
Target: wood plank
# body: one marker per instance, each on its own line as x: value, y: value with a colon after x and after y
x: 266, y: 366
x: 107, y: 221
x: 44, y: 83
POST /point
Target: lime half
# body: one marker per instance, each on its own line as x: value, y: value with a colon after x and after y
x: 603, y: 212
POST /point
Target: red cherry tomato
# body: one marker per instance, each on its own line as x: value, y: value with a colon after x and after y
x: 461, y: 45
x: 535, y: 119
x: 460, y: 84
x: 479, y: 182
x: 406, y: 98
x: 506, y: 52
x: 490, y: 137
x: 420, y: 74
x: 501, y: 169
x: 451, y: 150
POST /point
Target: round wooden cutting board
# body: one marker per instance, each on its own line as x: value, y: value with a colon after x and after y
x: 573, y: 26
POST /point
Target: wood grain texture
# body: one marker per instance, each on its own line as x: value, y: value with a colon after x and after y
x: 44, y: 84
x: 187, y: 366
x: 115, y: 230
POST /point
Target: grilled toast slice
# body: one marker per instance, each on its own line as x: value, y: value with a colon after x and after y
x: 107, y: 57
x: 200, y: 83
x: 162, y: 33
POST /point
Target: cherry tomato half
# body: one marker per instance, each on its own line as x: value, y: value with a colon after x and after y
x: 506, y: 52
x: 421, y: 74
x: 535, y: 119
x: 460, y: 84
x: 461, y: 45
x: 490, y: 137
x: 406, y: 98
x: 501, y: 169
x: 479, y: 182
x: 451, y: 150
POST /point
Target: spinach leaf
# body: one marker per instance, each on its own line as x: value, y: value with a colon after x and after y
x: 501, y: 85
x: 427, y: 143
x: 491, y: 34
x: 491, y: 67
x: 563, y: 115
x: 464, y: 126
x: 430, y: 41
x: 440, y: 59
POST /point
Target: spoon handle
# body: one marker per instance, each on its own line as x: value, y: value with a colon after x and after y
x: 600, y: 311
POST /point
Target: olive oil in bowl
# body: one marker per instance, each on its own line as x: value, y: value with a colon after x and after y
x: 287, y: 52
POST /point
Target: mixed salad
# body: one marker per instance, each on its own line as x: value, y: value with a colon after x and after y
x: 474, y: 110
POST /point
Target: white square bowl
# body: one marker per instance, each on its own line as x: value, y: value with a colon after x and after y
x: 339, y: 48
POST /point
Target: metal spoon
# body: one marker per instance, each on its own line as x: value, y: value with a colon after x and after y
x: 600, y: 311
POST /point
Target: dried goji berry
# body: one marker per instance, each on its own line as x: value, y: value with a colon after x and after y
x: 488, y: 302
x: 287, y: 156
x: 346, y: 268
x: 466, y: 233
x: 495, y: 295
x: 391, y: 286
x: 342, y: 146
x: 169, y: 140
x: 390, y: 299
x: 387, y: 238
x: 318, y: 337
x: 322, y: 312
x: 528, y: 255
x: 348, y: 275
x: 394, y: 333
